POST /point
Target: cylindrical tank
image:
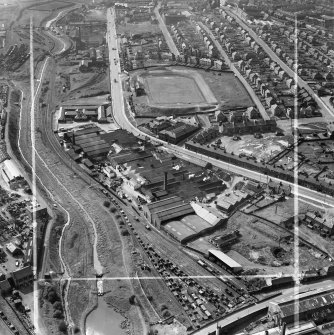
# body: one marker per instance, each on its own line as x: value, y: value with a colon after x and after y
x: 92, y: 53
x: 99, y: 56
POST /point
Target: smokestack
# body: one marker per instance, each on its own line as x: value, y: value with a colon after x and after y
x: 165, y: 181
x: 283, y: 329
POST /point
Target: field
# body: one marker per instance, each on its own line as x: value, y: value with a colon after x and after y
x: 50, y: 6
x: 173, y: 89
x: 227, y: 89
x: 138, y: 28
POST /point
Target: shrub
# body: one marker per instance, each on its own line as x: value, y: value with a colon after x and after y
x: 57, y: 314
x: 62, y: 326
x: 163, y: 307
x: 132, y: 299
x: 124, y: 232
x: 52, y: 297
x: 106, y: 203
x: 166, y: 313
x: 58, y: 305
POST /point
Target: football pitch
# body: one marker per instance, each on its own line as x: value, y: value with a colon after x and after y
x: 173, y: 90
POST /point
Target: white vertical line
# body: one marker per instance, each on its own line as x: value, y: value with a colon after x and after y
x: 295, y: 175
x: 33, y: 171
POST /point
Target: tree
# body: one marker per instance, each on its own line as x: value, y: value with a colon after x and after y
x: 150, y: 298
x: 163, y: 307
x: 166, y: 313
x: 62, y: 326
x: 106, y: 203
x: 124, y: 232
x: 132, y: 299
x: 52, y: 297
x: 113, y: 210
x: 58, y: 306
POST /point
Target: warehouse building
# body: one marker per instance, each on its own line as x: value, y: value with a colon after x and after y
x: 224, y: 261
x: 23, y: 277
x: 81, y: 113
x: 207, y: 214
x: 10, y: 172
x: 317, y: 306
x: 159, y: 212
x: 36, y: 210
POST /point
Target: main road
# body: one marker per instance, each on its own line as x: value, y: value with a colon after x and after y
x: 121, y: 119
x: 327, y: 112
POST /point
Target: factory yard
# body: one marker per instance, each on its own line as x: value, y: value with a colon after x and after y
x: 261, y: 149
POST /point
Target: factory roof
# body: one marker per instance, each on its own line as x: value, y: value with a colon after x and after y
x: 205, y: 214
x: 22, y: 273
x: 92, y: 143
x: 224, y: 258
x: 175, y: 212
x: 121, y: 137
x: 96, y: 147
x: 87, y: 131
x: 308, y: 303
x: 164, y: 204
x: 10, y: 170
x: 85, y: 137
x: 97, y: 152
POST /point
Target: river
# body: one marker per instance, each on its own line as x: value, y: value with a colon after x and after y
x: 104, y: 321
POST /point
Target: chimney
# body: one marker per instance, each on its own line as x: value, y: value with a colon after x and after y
x: 283, y: 329
x: 165, y: 180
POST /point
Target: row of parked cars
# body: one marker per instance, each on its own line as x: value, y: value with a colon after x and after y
x: 10, y: 326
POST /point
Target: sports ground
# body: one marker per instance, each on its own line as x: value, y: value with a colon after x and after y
x: 173, y: 89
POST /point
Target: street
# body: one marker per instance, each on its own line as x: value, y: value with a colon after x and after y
x: 327, y: 112
x: 122, y: 120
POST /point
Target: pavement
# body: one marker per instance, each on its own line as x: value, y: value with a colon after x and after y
x: 169, y: 40
x: 327, y: 112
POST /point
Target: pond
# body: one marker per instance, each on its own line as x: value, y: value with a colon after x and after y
x: 104, y: 321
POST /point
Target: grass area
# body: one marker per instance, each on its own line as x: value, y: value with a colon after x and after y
x: 51, y: 6
x: 173, y: 89
x: 138, y: 28
x: 227, y: 89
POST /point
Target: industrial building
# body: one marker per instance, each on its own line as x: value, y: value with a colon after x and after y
x: 10, y: 172
x: 81, y: 113
x: 225, y: 261
x: 23, y: 277
x: 313, y: 306
x: 36, y: 211
x: 159, y: 212
x: 89, y: 143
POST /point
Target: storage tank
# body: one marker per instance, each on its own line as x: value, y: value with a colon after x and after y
x: 99, y: 56
x: 92, y: 53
